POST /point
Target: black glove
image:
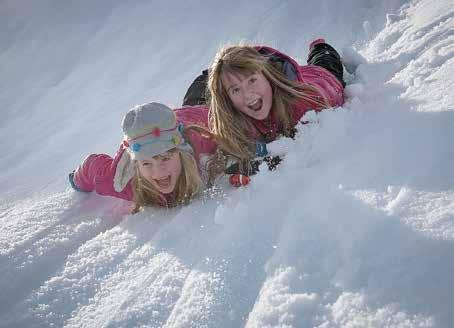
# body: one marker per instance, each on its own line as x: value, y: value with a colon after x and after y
x: 272, y: 162
x: 233, y: 169
x: 252, y: 166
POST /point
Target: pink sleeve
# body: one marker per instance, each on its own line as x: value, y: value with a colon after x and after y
x: 201, y: 144
x: 97, y: 172
x: 196, y: 115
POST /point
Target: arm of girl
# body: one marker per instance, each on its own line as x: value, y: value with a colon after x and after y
x: 96, y: 173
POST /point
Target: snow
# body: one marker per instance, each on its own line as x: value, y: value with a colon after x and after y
x: 354, y: 229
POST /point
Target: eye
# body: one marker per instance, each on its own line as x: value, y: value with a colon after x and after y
x: 146, y: 164
x: 252, y: 80
x: 165, y: 157
x: 234, y: 91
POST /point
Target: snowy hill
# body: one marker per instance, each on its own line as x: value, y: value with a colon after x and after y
x: 355, y: 228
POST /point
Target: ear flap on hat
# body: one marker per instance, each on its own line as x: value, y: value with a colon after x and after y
x: 124, y: 172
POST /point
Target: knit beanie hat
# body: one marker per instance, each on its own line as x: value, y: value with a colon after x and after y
x: 149, y: 130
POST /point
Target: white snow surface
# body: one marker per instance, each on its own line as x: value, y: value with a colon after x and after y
x: 354, y: 229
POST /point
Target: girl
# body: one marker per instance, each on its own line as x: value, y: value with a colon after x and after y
x: 159, y: 163
x: 258, y: 94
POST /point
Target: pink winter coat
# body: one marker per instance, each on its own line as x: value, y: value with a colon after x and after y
x: 97, y: 171
x: 323, y: 80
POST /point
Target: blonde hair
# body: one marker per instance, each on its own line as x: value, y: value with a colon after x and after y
x: 216, y: 164
x: 187, y: 187
x: 231, y: 127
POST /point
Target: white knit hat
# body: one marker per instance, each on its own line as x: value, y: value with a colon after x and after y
x: 149, y: 130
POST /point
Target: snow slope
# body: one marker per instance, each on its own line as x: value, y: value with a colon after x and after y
x: 355, y: 228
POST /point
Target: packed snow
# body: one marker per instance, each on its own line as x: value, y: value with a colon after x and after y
x: 354, y: 229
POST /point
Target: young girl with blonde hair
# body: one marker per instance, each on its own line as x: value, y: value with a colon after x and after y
x: 258, y: 94
x: 160, y: 163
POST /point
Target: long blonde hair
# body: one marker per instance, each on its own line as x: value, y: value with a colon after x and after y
x: 187, y: 187
x: 231, y: 127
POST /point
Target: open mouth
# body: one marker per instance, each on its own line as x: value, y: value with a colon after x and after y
x: 255, y: 105
x: 164, y: 182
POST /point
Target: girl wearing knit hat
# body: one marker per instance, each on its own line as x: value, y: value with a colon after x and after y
x: 159, y: 163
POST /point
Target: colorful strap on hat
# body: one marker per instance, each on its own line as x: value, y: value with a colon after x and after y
x: 156, y: 132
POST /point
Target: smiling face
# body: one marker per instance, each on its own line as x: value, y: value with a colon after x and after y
x: 162, y: 171
x: 251, y: 95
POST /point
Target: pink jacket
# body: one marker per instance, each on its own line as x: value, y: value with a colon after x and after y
x: 97, y: 171
x: 324, y: 81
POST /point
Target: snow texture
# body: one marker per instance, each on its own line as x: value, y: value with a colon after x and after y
x: 354, y: 229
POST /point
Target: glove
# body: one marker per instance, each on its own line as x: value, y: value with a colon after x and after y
x: 272, y: 162
x: 238, y: 180
x: 253, y: 166
x: 251, y: 169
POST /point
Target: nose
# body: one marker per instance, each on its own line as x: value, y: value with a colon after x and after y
x: 249, y: 94
x: 158, y: 171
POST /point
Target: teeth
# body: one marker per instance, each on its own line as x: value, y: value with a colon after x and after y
x: 163, y: 182
x: 256, y: 104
